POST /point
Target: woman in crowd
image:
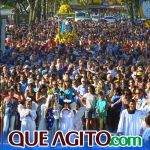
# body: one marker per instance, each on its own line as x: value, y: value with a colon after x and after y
x: 41, y: 97
x: 10, y: 106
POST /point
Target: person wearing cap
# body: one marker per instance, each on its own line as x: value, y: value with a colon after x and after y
x: 10, y: 105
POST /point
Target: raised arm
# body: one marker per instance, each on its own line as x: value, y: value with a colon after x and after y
x: 117, y: 102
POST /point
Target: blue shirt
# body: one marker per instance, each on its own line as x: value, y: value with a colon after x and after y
x: 69, y: 94
x: 82, y: 90
x: 11, y: 107
x: 23, y: 87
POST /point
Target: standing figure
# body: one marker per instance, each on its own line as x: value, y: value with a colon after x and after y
x: 55, y: 127
x: 46, y: 115
x: 101, y: 108
x: 78, y: 114
x: 146, y: 134
x: 131, y: 120
x: 10, y: 106
x: 66, y: 116
x: 28, y: 115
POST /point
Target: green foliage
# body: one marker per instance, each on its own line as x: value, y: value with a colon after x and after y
x: 12, y: 3
x: 84, y: 3
x: 133, y: 7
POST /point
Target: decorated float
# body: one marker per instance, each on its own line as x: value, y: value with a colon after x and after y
x: 66, y: 32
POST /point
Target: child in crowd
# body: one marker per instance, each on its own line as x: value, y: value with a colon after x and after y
x: 56, y: 121
x: 28, y: 115
x: 46, y: 113
x: 78, y: 114
x: 101, y: 109
x: 66, y: 116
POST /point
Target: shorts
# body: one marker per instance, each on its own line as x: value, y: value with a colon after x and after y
x: 90, y: 113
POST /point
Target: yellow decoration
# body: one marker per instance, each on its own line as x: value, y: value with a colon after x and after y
x: 64, y: 9
x: 67, y: 37
x: 147, y: 23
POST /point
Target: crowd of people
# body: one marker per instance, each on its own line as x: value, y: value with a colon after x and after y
x: 100, y: 82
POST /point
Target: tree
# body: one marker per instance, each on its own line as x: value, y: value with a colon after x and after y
x: 34, y: 6
x: 133, y: 7
x: 84, y: 3
x: 19, y: 7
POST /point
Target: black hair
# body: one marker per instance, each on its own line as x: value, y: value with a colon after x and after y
x: 147, y: 119
x: 93, y: 88
x: 101, y: 93
x: 132, y: 101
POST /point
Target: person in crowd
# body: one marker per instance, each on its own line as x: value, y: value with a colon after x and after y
x: 130, y: 120
x: 47, y: 116
x: 41, y: 97
x: 10, y: 106
x: 68, y: 90
x: 126, y: 96
x: 114, y: 112
x: 30, y: 92
x: 66, y: 117
x: 146, y: 134
x: 78, y: 114
x: 28, y: 115
x: 101, y: 109
x: 19, y: 94
x: 90, y: 98
x: 56, y: 114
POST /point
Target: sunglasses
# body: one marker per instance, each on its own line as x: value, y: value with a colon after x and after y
x: 67, y: 81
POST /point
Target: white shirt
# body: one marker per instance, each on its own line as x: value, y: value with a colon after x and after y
x: 90, y: 100
x: 130, y: 124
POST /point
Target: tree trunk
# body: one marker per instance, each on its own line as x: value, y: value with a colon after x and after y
x: 54, y: 8
x: 44, y: 10
x: 39, y: 11
x: 30, y: 16
x: 34, y: 11
x: 17, y: 18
